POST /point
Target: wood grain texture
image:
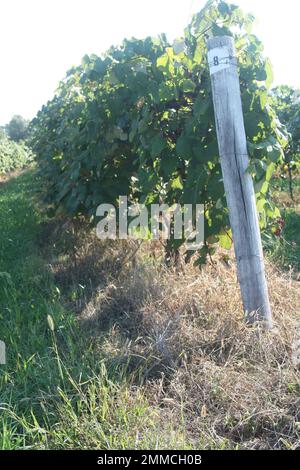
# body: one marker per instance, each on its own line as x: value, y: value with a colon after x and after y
x: 239, y: 185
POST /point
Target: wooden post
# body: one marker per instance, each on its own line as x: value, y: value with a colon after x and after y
x: 238, y: 183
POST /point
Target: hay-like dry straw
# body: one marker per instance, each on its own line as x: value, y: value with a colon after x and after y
x: 183, y: 334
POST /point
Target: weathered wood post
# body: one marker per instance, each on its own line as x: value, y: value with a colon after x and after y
x: 238, y: 183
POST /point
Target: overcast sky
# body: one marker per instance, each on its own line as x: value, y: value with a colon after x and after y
x: 41, y: 39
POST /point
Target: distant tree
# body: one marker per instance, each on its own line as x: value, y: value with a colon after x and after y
x: 17, y: 128
x: 287, y: 105
x: 2, y: 132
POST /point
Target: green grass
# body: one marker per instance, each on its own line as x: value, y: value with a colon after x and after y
x: 65, y: 388
x: 59, y: 389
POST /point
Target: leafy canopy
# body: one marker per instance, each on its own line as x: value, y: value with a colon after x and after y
x: 286, y: 101
x: 139, y: 121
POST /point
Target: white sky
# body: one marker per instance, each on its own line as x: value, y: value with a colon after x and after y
x: 41, y: 39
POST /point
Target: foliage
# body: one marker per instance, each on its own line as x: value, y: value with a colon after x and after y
x: 287, y: 105
x: 283, y: 245
x: 13, y: 155
x: 139, y: 121
x: 17, y: 128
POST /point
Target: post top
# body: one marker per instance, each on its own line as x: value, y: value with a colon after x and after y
x: 221, y: 41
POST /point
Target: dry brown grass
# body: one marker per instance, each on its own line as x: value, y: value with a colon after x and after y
x: 182, y: 334
x: 4, y: 177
